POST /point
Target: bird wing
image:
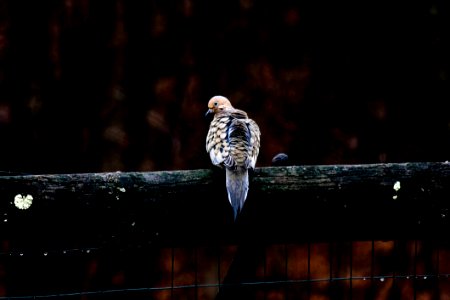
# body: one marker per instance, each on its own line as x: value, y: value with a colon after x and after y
x: 217, y: 144
x: 244, y: 136
x: 239, y: 141
x: 255, y: 141
x: 233, y: 140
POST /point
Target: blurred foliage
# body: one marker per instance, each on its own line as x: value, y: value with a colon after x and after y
x: 90, y: 86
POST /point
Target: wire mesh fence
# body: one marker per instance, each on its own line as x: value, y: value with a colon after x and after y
x: 329, y: 235
x: 398, y: 269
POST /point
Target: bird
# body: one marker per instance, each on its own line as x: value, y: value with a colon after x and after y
x: 232, y: 142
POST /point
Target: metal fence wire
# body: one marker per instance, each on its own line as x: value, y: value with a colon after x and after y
x: 395, y: 269
x: 317, y: 232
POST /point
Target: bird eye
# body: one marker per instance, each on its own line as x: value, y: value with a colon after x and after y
x: 215, y: 103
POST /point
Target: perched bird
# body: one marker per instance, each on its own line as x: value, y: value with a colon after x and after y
x: 232, y: 143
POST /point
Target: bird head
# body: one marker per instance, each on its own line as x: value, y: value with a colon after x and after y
x: 217, y: 104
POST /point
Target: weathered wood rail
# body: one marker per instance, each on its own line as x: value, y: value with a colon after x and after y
x: 292, y: 203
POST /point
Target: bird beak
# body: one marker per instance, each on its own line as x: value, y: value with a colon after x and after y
x: 209, y: 111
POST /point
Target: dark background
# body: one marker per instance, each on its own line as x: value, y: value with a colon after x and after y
x: 88, y: 86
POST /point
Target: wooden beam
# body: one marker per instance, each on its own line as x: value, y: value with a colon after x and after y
x: 285, y: 203
x: 165, y: 184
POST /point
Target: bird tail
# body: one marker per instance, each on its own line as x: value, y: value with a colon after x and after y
x: 237, y: 187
